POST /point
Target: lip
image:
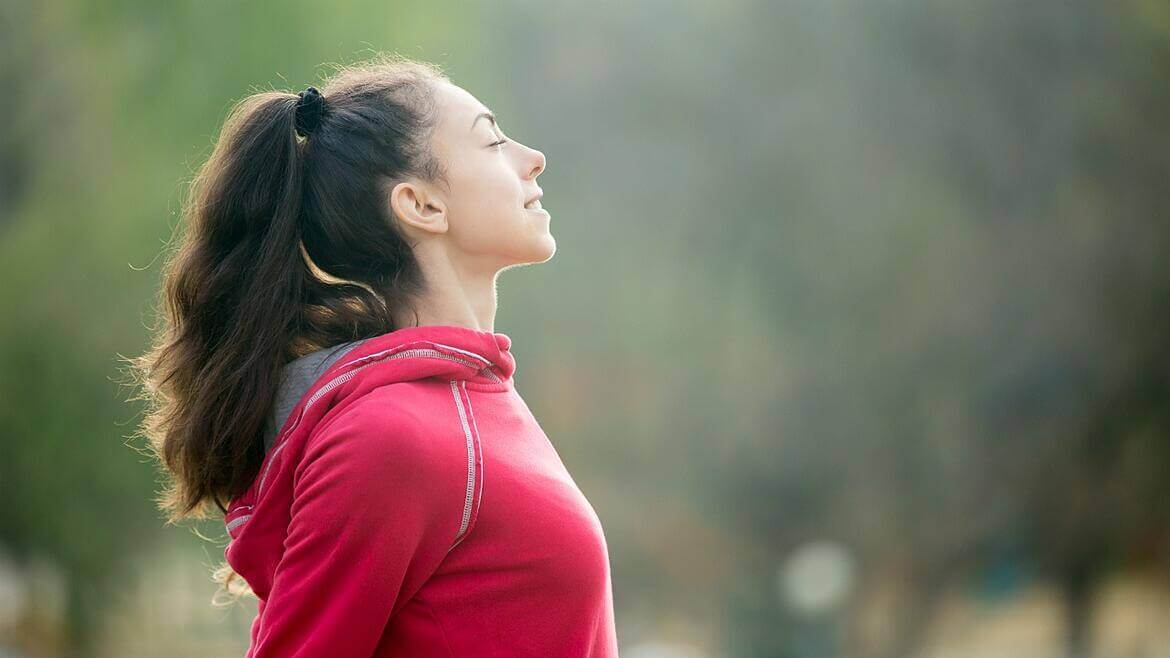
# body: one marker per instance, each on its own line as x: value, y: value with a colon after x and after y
x: 531, y: 199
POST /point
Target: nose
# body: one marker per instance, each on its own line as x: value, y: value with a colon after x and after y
x: 537, y: 165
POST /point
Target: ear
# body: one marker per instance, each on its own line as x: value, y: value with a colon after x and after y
x: 417, y: 207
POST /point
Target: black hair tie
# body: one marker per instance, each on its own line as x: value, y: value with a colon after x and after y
x: 310, y: 109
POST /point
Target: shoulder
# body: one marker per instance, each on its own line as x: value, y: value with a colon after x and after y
x: 391, y: 436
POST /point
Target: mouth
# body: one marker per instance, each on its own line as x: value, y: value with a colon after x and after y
x: 534, y: 203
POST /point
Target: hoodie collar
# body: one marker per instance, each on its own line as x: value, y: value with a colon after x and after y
x: 479, y: 357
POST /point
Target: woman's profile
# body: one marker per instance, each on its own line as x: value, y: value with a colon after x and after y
x: 327, y: 377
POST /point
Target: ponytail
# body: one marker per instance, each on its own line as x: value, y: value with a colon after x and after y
x: 234, y: 290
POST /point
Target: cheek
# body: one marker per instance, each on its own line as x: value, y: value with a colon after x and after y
x: 487, y: 216
x: 490, y: 193
x: 485, y: 186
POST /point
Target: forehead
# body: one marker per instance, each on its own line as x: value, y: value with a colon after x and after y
x: 459, y: 109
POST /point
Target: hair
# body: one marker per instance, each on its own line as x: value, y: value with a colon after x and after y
x: 289, y: 246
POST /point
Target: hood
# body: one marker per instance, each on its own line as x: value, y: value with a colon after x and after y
x: 317, y: 383
x: 295, y: 378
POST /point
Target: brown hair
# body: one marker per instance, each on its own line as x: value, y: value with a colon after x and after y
x: 289, y: 246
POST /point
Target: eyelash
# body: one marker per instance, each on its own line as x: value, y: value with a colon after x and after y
x: 498, y: 143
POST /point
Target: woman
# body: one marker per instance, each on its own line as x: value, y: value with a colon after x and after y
x: 328, y: 366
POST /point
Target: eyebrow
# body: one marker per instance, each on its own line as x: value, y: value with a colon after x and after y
x: 483, y: 115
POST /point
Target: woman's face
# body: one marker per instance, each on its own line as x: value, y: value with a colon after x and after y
x: 481, y: 213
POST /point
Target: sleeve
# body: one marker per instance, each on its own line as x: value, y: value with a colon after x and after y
x: 375, y: 509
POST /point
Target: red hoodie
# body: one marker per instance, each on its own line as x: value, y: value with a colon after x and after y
x: 412, y: 506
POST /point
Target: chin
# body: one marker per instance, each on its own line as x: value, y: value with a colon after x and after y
x: 540, y: 251
x: 550, y: 247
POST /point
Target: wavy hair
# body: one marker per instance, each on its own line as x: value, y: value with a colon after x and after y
x: 288, y: 245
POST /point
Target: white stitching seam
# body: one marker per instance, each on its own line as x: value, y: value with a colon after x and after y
x: 478, y: 495
x: 470, y: 463
x: 346, y: 376
x: 237, y: 521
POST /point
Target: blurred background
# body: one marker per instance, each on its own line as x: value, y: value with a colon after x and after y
x: 856, y: 336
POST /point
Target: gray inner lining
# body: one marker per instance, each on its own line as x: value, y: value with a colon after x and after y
x: 296, y: 378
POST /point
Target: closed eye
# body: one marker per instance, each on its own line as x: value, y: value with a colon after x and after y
x: 498, y: 143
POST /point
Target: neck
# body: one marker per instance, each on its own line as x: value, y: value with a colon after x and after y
x: 456, y: 295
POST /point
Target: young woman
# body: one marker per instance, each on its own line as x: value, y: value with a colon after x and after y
x: 327, y: 374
